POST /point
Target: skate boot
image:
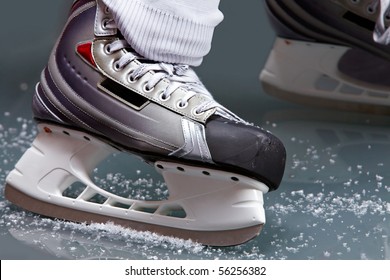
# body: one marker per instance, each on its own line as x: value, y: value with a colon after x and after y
x: 334, y: 53
x: 97, y: 96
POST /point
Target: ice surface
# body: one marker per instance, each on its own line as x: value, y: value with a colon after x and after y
x: 331, y: 204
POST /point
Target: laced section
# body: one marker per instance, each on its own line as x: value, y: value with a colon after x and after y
x: 381, y: 32
x: 177, y: 76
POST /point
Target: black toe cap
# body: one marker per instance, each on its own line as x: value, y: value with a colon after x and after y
x: 247, y: 150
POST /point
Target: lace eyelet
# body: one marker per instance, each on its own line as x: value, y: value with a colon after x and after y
x: 107, y: 10
x: 181, y: 105
x: 196, y: 113
x: 355, y: 2
x: 107, y: 49
x: 146, y: 89
x: 371, y: 10
x: 130, y: 77
x: 116, y: 66
x: 105, y: 23
x: 162, y: 97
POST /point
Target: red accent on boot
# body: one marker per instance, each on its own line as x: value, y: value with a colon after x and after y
x: 85, y: 51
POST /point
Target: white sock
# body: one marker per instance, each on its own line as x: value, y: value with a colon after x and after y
x: 173, y: 31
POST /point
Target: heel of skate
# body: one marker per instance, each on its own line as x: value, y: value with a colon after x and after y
x: 311, y: 73
x: 209, y: 206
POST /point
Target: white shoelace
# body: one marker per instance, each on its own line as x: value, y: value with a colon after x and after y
x: 381, y: 33
x: 179, y: 76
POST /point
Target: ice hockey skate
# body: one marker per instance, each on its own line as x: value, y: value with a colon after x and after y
x: 333, y: 53
x: 97, y: 97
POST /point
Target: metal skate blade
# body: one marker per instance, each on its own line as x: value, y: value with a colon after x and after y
x: 210, y: 238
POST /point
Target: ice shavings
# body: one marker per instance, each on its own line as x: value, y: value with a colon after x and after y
x: 16, y: 135
x: 325, y: 206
